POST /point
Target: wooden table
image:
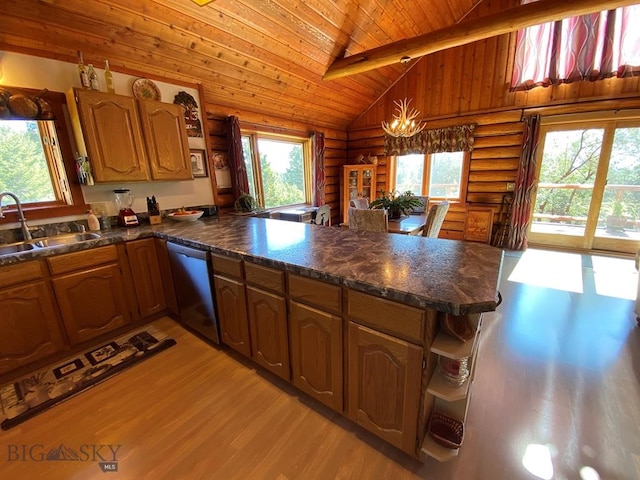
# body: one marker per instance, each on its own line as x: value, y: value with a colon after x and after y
x: 408, y: 224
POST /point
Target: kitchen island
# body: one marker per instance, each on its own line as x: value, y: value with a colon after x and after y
x: 350, y: 318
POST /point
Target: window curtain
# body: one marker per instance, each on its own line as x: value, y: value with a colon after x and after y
x: 525, y: 186
x: 317, y: 165
x: 239, y: 180
x: 450, y: 139
x: 588, y: 47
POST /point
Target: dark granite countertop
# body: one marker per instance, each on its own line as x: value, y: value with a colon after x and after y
x: 447, y: 275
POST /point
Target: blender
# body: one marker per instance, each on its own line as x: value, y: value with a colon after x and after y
x: 124, y: 200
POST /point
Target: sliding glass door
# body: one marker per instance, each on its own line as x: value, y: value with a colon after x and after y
x: 588, y: 194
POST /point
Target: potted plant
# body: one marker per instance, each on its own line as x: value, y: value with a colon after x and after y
x: 245, y: 203
x: 397, y: 204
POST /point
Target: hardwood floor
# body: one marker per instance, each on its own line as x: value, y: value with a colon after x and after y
x: 558, y: 378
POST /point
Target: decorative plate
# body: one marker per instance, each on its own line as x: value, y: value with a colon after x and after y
x: 145, y: 89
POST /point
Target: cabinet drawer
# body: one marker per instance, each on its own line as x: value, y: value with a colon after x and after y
x: 265, y: 277
x: 315, y: 292
x: 20, y: 272
x: 227, y: 265
x: 82, y: 260
x: 401, y: 320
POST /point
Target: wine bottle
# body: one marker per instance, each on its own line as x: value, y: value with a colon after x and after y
x: 108, y: 78
x: 93, y: 78
x: 82, y: 71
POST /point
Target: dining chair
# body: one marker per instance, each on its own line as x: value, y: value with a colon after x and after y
x: 359, y: 203
x: 323, y: 216
x: 434, y: 220
x: 368, y: 220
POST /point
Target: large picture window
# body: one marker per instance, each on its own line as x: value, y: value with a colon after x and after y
x: 278, y: 169
x: 438, y: 175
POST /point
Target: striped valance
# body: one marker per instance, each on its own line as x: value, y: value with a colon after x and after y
x: 449, y: 139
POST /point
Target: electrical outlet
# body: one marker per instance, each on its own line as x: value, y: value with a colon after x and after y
x: 511, y: 186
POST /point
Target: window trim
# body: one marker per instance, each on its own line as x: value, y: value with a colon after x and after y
x: 464, y: 177
x: 307, y: 167
x: 44, y: 210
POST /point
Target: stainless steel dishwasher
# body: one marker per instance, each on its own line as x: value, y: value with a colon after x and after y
x: 192, y: 280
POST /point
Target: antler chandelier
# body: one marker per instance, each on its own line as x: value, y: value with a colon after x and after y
x: 403, y: 124
x: 404, y: 121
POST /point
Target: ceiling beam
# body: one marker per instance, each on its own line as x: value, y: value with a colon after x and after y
x: 469, y: 31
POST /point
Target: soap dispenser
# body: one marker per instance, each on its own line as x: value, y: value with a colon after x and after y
x: 92, y: 220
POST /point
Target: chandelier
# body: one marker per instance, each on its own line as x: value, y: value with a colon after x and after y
x: 404, y: 121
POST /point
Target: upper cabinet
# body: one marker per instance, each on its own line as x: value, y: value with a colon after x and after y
x: 165, y: 133
x: 128, y: 139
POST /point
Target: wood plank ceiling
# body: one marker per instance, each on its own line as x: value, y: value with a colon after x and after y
x: 262, y: 56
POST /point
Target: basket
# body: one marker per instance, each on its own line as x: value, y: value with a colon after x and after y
x: 445, y: 430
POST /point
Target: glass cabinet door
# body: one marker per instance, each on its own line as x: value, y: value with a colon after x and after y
x: 367, y: 184
x: 354, y: 180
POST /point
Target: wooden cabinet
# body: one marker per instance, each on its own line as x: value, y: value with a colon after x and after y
x: 29, y: 324
x: 112, y: 134
x: 315, y: 331
x: 166, y: 276
x: 316, y: 353
x: 384, y: 385
x: 268, y: 327
x: 147, y: 279
x: 267, y: 309
x: 166, y: 139
x: 232, y: 303
x: 358, y: 181
x: 90, y: 292
x: 128, y: 139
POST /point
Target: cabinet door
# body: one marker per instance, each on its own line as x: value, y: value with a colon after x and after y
x: 166, y: 276
x: 232, y: 314
x: 113, y: 136
x: 268, y: 327
x: 384, y: 385
x: 165, y: 135
x: 28, y: 326
x: 92, y: 302
x: 147, y: 281
x: 316, y: 353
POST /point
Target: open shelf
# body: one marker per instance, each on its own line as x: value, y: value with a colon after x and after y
x: 432, y: 449
x: 440, y: 388
x: 449, y: 347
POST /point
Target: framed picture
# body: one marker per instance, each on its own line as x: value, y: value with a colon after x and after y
x: 478, y: 224
x: 198, y: 162
x: 221, y: 170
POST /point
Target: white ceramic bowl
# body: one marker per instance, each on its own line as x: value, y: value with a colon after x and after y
x: 186, y: 217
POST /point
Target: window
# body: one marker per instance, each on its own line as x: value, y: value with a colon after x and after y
x: 438, y: 175
x: 587, y: 47
x: 37, y: 164
x: 588, y: 191
x: 278, y: 169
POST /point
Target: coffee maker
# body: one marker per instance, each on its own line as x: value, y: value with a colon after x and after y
x: 124, y: 201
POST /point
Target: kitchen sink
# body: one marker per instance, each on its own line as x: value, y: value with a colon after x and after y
x: 47, y: 242
x: 66, y: 239
x: 11, y: 248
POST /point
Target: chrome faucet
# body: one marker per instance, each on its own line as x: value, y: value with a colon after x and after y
x: 26, y: 234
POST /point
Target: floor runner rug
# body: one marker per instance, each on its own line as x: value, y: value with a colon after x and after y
x: 41, y: 390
